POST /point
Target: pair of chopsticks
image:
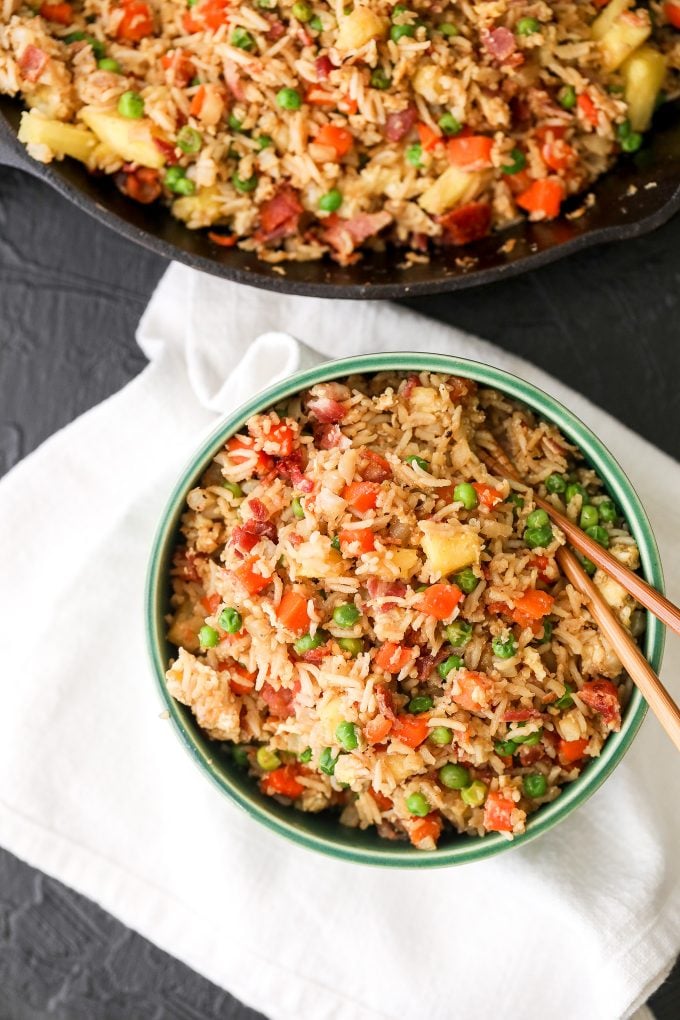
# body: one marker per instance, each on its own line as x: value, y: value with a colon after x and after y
x: 623, y: 645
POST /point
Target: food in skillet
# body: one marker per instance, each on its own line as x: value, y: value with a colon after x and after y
x: 299, y: 129
x: 370, y: 622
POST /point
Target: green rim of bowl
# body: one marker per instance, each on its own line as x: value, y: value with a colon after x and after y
x: 287, y: 821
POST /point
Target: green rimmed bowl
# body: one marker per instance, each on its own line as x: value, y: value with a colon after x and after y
x: 324, y: 832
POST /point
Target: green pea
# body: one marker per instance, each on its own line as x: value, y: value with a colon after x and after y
x: 567, y: 97
x: 623, y: 130
x: 288, y: 99
x: 380, y: 80
x: 537, y: 519
x: 530, y: 740
x: 189, y: 140
x: 308, y: 642
x: 346, y: 616
x: 74, y: 37
x: 266, y: 5
x: 518, y: 162
x: 398, y: 32
x: 575, y: 489
x: 331, y: 201
x: 547, y: 631
x: 449, y: 29
x: 538, y: 538
x: 98, y: 48
x: 297, y: 508
x: 302, y: 11
x: 466, y: 580
x: 474, y: 795
x: 555, y: 484
x: 419, y: 461
x: 440, y: 735
x: 109, y: 64
x: 516, y: 501
x: 208, y: 637
x: 454, y: 777
x: 245, y: 186
x: 264, y: 142
x: 599, y: 534
x: 327, y: 761
x: 535, y: 785
x: 267, y: 760
x: 504, y: 747
x: 587, y: 565
x: 458, y: 633
x: 316, y: 23
x: 632, y: 143
x: 504, y: 648
x: 131, y: 105
x: 305, y: 756
x: 242, y: 39
x: 465, y: 494
x: 607, y: 511
x: 421, y: 703
x: 566, y: 701
x: 176, y: 180
x: 449, y: 124
x: 589, y: 517
x: 397, y: 10
x: 230, y: 620
x: 353, y: 645
x: 335, y: 543
x: 234, y: 488
x: 445, y: 667
x: 346, y: 735
x: 414, y: 154
x: 527, y: 26
x: 416, y: 804
x: 239, y: 753
x: 234, y: 122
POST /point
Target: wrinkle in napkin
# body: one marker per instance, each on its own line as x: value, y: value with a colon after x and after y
x: 96, y: 789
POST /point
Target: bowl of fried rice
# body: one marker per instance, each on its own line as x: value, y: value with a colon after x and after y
x: 362, y: 634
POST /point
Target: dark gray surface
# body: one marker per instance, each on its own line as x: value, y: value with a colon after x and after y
x: 70, y: 296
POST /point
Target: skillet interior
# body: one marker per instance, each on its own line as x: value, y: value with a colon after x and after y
x: 639, y: 194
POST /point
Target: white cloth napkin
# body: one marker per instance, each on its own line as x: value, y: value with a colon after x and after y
x: 96, y: 789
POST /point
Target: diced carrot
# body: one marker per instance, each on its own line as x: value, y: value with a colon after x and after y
x: 252, y: 581
x: 280, y: 440
x: 392, y: 657
x: 210, y: 603
x: 429, y: 139
x: 487, y: 495
x: 532, y: 605
x: 376, y: 729
x: 411, y: 730
x: 356, y: 541
x: 429, y: 827
x: 223, y: 240
x: 472, y: 152
x: 587, y: 108
x: 136, y: 23
x: 543, y: 198
x: 292, y: 611
x: 241, y: 451
x: 558, y: 155
x: 470, y: 683
x: 196, y: 104
x: 335, y: 137
x: 317, y: 96
x: 208, y: 14
x: 672, y: 14
x: 348, y: 106
x: 243, y: 682
x: 570, y: 751
x: 383, y: 802
x: 497, y: 812
x: 550, y: 132
x: 284, y: 782
x: 361, y: 496
x: 180, y: 65
x: 62, y: 13
x: 440, y: 600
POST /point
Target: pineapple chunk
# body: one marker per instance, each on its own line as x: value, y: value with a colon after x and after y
x: 406, y: 561
x: 453, y: 187
x: 132, y: 140
x: 644, y: 73
x: 627, y: 33
x: 46, y: 100
x: 61, y: 139
x: 359, y: 27
x: 449, y: 548
x: 604, y: 21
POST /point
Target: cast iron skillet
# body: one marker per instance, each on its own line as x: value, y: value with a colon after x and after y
x: 641, y: 193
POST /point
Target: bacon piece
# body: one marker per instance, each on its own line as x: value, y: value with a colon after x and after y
x: 326, y: 410
x: 280, y: 703
x: 245, y: 536
x: 33, y: 62
x: 258, y: 509
x: 277, y: 29
x: 290, y: 468
x: 184, y: 565
x: 379, y: 589
x: 521, y: 714
x: 279, y: 215
x: 602, y: 696
x: 233, y: 80
x: 345, y: 235
x: 328, y: 437
x: 530, y: 755
x: 499, y: 43
x: 468, y: 223
x: 398, y: 125
x: 168, y: 150
x: 410, y: 385
x: 385, y: 703
x: 142, y: 184
x: 426, y: 663
x: 323, y: 67
x: 373, y: 467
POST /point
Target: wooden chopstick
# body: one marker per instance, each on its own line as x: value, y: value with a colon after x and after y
x: 649, y: 597
x: 624, y: 647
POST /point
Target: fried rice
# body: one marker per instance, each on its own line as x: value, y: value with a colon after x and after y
x: 303, y: 129
x: 371, y: 622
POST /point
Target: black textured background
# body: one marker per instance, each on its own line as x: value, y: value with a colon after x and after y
x: 71, y: 292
